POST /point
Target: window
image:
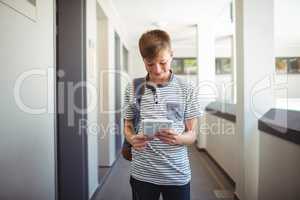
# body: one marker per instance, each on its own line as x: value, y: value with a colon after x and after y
x: 290, y: 65
x: 184, y: 66
x: 223, y: 66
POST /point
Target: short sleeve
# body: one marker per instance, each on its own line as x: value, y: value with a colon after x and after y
x: 193, y: 108
x: 128, y: 103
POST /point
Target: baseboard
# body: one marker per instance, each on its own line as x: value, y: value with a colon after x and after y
x: 236, y: 197
x: 202, y: 150
x: 106, y: 166
x: 218, y: 165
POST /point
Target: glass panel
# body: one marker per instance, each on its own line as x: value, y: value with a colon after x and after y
x: 184, y: 66
x: 294, y: 66
x: 289, y: 65
x: 190, y: 66
x: 223, y: 66
x: 177, y: 66
x: 281, y: 65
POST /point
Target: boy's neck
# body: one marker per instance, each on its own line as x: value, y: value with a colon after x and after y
x: 160, y: 81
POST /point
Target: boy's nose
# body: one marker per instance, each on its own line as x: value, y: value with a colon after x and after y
x: 157, y: 69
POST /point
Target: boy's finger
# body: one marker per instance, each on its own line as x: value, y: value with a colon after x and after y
x: 140, y: 138
x: 139, y: 144
x: 167, y: 141
x: 170, y: 136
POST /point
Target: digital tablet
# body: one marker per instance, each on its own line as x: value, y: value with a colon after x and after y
x: 152, y: 126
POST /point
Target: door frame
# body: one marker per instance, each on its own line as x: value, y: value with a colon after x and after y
x: 117, y: 59
x: 72, y: 146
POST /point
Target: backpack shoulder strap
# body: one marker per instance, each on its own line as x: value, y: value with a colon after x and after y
x: 138, y: 90
x: 139, y: 87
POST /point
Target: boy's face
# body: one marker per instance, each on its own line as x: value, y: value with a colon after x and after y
x: 159, y: 67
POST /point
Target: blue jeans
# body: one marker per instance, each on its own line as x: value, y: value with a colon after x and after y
x: 148, y: 191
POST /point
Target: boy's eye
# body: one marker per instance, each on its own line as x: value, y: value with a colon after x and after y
x: 153, y: 64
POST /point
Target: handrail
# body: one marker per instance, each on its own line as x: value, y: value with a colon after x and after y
x: 223, y: 110
x: 281, y: 123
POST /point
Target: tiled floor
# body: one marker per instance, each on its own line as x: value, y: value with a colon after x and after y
x: 207, y: 181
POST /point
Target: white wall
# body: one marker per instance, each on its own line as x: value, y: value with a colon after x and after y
x: 224, y: 87
x: 291, y: 81
x: 224, y: 82
x: 293, y: 85
x: 286, y: 14
x: 112, y: 15
x: 137, y: 66
x: 105, y: 53
x: 92, y: 96
x: 287, y: 50
x: 279, y: 168
x: 286, y: 86
x: 279, y: 160
x: 287, y: 39
x: 222, y: 143
x: 108, y: 24
x: 185, y: 51
x: 254, y: 25
x: 27, y: 145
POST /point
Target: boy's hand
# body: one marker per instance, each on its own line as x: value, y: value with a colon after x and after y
x: 168, y: 136
x: 139, y: 141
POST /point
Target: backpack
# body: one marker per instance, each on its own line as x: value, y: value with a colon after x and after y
x: 138, y: 91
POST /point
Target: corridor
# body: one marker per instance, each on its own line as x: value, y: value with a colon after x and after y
x: 208, y: 182
x: 66, y: 67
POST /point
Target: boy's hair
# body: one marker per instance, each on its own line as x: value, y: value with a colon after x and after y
x: 152, y: 42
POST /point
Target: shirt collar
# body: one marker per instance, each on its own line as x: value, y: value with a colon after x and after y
x: 164, y: 84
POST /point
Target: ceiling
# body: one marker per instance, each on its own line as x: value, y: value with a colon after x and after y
x: 178, y: 17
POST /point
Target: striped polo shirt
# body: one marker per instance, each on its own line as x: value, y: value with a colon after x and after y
x: 160, y: 163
